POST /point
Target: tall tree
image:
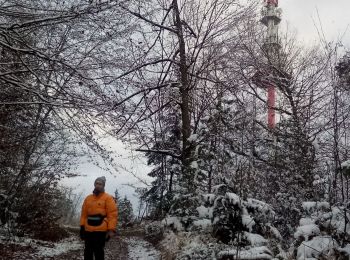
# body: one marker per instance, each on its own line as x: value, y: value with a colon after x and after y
x: 126, y: 214
x: 189, y: 37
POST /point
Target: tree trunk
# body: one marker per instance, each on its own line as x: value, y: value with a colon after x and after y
x: 185, y: 110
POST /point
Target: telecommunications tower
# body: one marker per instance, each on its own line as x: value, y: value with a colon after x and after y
x: 271, y: 17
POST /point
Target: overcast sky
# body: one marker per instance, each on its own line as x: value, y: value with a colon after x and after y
x: 302, y: 16
x: 306, y: 16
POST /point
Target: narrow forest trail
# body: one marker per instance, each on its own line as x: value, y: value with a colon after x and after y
x: 116, y: 249
x: 119, y: 248
x: 128, y: 246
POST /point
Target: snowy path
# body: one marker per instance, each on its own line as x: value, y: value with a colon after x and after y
x: 118, y: 248
x: 139, y: 249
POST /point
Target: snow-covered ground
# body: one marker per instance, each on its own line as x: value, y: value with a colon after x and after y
x: 139, y: 249
x: 26, y: 248
x: 59, y: 248
x: 133, y: 248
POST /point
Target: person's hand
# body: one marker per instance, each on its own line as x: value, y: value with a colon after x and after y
x: 82, y: 232
x: 109, y: 235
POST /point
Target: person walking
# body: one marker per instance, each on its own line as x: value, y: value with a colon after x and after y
x: 98, y: 220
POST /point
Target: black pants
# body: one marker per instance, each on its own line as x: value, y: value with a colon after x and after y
x: 94, y: 245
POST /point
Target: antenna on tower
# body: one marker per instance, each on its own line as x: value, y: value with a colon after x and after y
x: 271, y: 18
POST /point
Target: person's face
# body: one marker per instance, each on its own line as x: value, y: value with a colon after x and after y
x: 99, y: 185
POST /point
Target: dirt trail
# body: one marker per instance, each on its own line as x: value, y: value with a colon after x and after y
x: 120, y: 248
x: 116, y: 249
x: 130, y: 246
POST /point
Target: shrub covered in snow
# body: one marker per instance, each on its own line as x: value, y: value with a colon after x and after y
x: 242, y: 222
x: 198, y: 248
x: 288, y: 213
x: 232, y: 223
x: 253, y: 253
x: 183, y: 213
x: 154, y: 232
x: 345, y: 166
x: 323, y: 232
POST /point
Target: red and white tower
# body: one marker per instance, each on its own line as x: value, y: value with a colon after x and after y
x: 271, y: 17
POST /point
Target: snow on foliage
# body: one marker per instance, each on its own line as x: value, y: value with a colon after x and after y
x: 254, y: 253
x: 316, y: 247
x: 274, y: 232
x: 345, y: 165
x: 154, y: 231
x: 247, y: 220
x: 205, y: 212
x: 322, y: 229
x: 230, y: 223
x: 193, y: 138
x: 259, y: 206
x: 217, y: 188
x: 306, y: 221
x: 209, y: 198
x: 194, y: 165
x: 335, y: 220
x: 233, y: 198
x: 203, y: 224
x: 197, y: 248
x: 306, y: 232
x: 189, y: 245
x: 169, y: 244
x: 226, y: 226
x: 255, y: 239
x: 173, y: 222
x: 345, y: 250
x: 312, y: 206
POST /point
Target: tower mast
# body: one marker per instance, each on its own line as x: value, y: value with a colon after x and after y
x: 271, y: 17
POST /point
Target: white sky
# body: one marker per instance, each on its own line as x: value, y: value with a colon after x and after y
x: 303, y: 16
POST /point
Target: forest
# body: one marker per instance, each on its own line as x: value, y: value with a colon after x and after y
x: 183, y: 82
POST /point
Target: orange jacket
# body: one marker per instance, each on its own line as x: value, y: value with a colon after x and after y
x: 103, y: 204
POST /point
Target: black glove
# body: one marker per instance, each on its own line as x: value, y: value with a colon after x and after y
x: 109, y: 235
x: 82, y: 232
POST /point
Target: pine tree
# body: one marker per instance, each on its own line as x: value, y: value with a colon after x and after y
x: 167, y: 167
x: 343, y: 71
x: 126, y: 213
x: 116, y: 195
